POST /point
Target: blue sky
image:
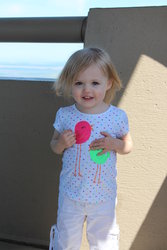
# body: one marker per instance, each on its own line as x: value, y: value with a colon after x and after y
x: 26, y: 53
x: 65, y: 8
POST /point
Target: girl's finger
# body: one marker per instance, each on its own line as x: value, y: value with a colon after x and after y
x: 102, y: 152
x: 104, y: 133
x: 71, y: 136
x: 95, y: 146
x: 96, y: 143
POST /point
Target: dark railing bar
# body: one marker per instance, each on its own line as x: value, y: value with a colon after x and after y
x: 43, y: 29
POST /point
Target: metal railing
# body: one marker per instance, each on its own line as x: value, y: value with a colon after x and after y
x: 43, y: 29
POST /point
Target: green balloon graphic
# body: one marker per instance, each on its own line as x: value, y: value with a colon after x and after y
x: 99, y: 159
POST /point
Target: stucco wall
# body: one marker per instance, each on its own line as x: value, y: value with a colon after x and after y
x: 136, y: 39
x: 29, y: 170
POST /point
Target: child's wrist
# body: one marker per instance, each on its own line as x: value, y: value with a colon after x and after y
x: 59, y: 147
x: 117, y: 144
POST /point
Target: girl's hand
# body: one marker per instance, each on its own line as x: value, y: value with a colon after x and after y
x: 67, y: 138
x: 106, y: 144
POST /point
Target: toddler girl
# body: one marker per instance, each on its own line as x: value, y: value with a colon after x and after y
x: 88, y: 133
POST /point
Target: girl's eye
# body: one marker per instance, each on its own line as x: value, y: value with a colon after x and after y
x: 78, y: 83
x: 95, y: 83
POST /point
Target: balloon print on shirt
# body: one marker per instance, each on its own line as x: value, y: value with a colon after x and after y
x: 99, y: 159
x: 82, y: 132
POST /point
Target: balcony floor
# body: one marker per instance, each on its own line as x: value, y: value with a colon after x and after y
x: 11, y: 246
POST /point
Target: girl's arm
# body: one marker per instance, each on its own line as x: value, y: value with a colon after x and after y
x: 122, y: 145
x: 62, y: 141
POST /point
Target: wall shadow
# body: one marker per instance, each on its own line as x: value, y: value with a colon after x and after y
x: 152, y: 233
x: 29, y: 177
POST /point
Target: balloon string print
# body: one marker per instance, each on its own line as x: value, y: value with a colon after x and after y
x: 98, y: 166
x: 82, y: 132
x: 78, y: 149
x: 98, y: 159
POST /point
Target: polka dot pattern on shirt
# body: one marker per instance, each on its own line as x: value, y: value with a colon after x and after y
x: 81, y: 178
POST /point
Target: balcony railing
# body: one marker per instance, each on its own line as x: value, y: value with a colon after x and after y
x: 43, y: 29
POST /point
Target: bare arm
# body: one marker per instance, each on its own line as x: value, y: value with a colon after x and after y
x: 62, y: 141
x: 122, y: 145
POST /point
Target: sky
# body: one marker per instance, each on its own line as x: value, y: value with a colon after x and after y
x: 57, y: 54
x: 18, y: 8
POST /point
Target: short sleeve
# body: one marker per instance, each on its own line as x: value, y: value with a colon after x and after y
x: 58, y: 125
x: 123, y: 125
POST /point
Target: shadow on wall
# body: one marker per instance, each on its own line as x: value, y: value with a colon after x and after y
x: 29, y: 170
x: 155, y: 224
x: 131, y: 33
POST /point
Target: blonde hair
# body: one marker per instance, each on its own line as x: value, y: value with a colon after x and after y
x: 80, y: 61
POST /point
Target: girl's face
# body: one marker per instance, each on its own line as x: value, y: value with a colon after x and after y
x: 89, y: 89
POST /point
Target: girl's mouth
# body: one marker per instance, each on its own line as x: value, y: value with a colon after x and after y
x: 87, y: 98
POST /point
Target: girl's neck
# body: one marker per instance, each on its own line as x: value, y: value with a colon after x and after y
x: 96, y: 110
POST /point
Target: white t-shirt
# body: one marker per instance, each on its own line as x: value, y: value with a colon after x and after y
x: 85, y: 176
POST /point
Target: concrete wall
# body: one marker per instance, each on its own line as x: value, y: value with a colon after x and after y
x: 136, y: 39
x: 29, y: 170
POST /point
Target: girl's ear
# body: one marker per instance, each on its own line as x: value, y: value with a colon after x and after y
x: 109, y: 84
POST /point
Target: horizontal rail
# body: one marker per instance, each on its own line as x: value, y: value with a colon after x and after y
x: 43, y: 29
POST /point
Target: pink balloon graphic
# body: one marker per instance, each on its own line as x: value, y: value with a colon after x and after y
x: 82, y: 132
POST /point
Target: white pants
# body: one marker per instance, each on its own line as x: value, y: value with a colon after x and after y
x: 102, y: 230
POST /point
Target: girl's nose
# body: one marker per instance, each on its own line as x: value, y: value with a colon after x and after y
x: 86, y: 87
